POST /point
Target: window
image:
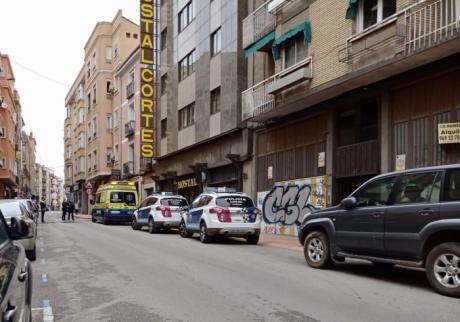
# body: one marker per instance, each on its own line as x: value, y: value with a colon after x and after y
x: 94, y: 94
x: 295, y: 50
x: 81, y: 116
x: 95, y: 159
x: 164, y: 127
x: 131, y: 152
x: 108, y: 54
x: 128, y: 198
x: 115, y: 119
x: 69, y: 151
x: 215, y: 101
x: 187, y: 66
x: 2, y: 132
x: 69, y: 111
x: 89, y: 101
x: 375, y: 193
x: 81, y: 140
x: 135, y: 36
x: 216, y: 42
x: 163, y: 39
x: 109, y: 123
x: 358, y: 125
x: 452, y: 186
x: 232, y: 201
x: 108, y: 87
x: 81, y: 162
x: 68, y: 131
x: 109, y: 155
x: 187, y: 116
x: 174, y: 202
x: 89, y: 162
x: 93, y: 62
x: 115, y: 50
x: 94, y: 127
x: 372, y: 12
x: 69, y: 171
x: 186, y: 15
x: 164, y: 80
x: 131, y: 113
x: 128, y: 35
x: 3, y: 163
x: 418, y: 188
x: 115, y: 156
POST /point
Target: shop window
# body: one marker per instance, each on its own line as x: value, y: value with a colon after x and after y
x: 358, y: 125
x: 187, y: 66
x: 186, y: 15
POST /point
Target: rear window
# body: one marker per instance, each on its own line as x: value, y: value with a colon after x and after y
x: 128, y: 198
x: 234, y: 202
x: 10, y: 210
x: 174, y: 202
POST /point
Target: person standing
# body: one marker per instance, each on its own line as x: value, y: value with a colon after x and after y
x: 71, y: 210
x: 43, y: 209
x: 65, y: 206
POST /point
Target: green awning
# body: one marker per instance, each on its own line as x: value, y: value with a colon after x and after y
x: 260, y: 44
x: 352, y: 9
x: 303, y: 27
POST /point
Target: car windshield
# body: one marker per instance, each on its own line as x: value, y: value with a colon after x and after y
x: 128, y: 198
x: 234, y: 202
x: 174, y: 202
x: 10, y: 209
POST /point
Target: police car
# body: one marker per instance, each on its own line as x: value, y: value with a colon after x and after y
x: 159, y: 211
x: 222, y: 212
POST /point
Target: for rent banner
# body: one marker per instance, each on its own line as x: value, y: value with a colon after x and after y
x: 149, y: 22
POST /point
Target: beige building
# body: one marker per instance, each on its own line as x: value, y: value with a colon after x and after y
x: 92, y: 129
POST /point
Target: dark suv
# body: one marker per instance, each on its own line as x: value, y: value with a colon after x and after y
x: 409, y: 218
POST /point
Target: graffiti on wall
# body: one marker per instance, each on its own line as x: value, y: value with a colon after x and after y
x: 285, y: 205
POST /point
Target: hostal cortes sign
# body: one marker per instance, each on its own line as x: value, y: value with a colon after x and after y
x: 148, y: 74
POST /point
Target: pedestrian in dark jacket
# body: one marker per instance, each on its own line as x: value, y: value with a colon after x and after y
x: 43, y: 209
x: 71, y: 210
x: 65, y: 206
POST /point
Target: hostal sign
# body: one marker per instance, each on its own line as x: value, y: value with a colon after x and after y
x: 149, y: 67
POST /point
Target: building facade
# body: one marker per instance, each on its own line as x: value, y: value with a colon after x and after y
x: 338, y: 96
x: 200, y: 138
x: 28, y: 158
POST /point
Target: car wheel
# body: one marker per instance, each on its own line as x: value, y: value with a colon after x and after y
x: 134, y: 224
x: 316, y: 250
x: 93, y: 219
x: 443, y: 269
x: 32, y: 254
x: 183, y: 230
x: 252, y: 239
x: 204, y: 236
x: 152, y: 228
x: 106, y: 220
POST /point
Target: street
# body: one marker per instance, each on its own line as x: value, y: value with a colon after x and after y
x: 91, y: 272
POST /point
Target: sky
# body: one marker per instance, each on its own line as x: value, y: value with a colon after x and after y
x: 44, y: 40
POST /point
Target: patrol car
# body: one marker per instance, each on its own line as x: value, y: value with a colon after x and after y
x: 114, y: 202
x: 222, y: 212
x: 159, y: 211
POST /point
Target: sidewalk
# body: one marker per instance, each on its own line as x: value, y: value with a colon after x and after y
x: 281, y: 241
x: 83, y: 216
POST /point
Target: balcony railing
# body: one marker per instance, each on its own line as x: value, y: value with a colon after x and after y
x: 432, y: 24
x: 258, y: 24
x: 130, y: 128
x: 128, y: 169
x: 130, y: 90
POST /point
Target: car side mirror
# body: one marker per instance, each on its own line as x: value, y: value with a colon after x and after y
x: 348, y: 203
x: 18, y: 229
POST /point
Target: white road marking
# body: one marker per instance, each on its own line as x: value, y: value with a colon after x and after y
x: 44, y: 278
x: 47, y: 312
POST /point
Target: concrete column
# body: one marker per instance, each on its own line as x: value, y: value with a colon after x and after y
x: 385, y: 133
x: 330, y: 159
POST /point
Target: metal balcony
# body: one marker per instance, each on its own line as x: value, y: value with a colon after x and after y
x: 128, y: 169
x: 258, y: 24
x: 130, y: 128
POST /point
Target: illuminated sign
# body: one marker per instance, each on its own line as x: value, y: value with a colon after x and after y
x: 448, y: 133
x: 187, y: 183
x: 149, y: 66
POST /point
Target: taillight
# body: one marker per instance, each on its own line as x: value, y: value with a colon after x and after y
x: 223, y: 214
x: 165, y: 211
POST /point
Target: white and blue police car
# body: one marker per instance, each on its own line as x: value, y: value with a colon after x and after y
x: 159, y: 211
x: 224, y: 212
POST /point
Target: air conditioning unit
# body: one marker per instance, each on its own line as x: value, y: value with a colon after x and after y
x: 3, y: 103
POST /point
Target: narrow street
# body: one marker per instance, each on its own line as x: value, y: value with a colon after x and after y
x: 91, y: 272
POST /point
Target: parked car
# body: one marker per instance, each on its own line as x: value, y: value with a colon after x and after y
x: 32, y: 207
x: 410, y: 218
x: 15, y: 272
x: 15, y: 209
x: 222, y: 212
x: 160, y: 211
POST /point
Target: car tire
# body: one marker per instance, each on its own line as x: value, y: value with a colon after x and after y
x: 134, y: 224
x: 93, y: 219
x: 205, y: 238
x: 253, y: 239
x: 183, y: 230
x: 152, y: 228
x: 32, y: 254
x: 106, y: 220
x: 317, y: 251
x: 443, y: 269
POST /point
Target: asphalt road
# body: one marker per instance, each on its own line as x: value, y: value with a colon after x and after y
x: 112, y: 273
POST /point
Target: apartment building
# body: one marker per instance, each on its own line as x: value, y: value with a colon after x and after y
x: 10, y: 131
x: 339, y: 91
x: 200, y: 141
x: 28, y: 158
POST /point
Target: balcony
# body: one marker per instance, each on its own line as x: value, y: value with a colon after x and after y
x: 407, y: 33
x: 258, y: 24
x: 130, y: 128
x: 128, y: 169
x: 259, y: 100
x: 130, y: 90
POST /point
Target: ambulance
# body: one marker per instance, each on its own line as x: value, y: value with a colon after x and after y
x: 115, y: 202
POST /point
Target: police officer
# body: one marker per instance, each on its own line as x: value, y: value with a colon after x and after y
x: 65, y: 206
x: 43, y: 209
x: 71, y: 210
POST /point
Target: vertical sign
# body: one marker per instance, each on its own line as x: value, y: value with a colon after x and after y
x: 148, y: 74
